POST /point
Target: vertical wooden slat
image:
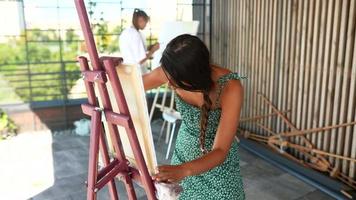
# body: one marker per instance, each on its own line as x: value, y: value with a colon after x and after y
x: 214, y: 43
x: 273, y: 66
x: 253, y: 78
x: 225, y: 36
x: 308, y: 72
x: 338, y: 134
x: 234, y: 47
x: 243, y: 67
x: 248, y: 47
x: 326, y: 62
x: 213, y: 25
x: 268, y: 59
x: 295, y: 65
x: 228, y: 48
x: 239, y: 31
x: 313, y: 68
x: 250, y: 66
x: 243, y: 36
x: 221, y: 40
x: 351, y: 115
x: 219, y: 29
x: 259, y: 64
x: 236, y: 35
x: 330, y: 140
x: 291, y: 58
x: 350, y: 96
x: 299, y: 71
x: 229, y: 33
x: 263, y: 60
x: 286, y: 58
x: 281, y: 80
x: 319, y: 77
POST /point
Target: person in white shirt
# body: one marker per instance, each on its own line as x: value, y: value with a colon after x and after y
x: 132, y: 41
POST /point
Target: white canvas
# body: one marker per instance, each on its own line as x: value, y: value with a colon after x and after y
x: 131, y: 80
x: 171, y: 30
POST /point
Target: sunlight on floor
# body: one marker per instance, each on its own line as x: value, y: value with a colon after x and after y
x: 26, y: 167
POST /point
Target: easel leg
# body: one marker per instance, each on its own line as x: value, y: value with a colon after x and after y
x: 162, y: 129
x: 114, y: 134
x: 130, y: 189
x: 93, y: 154
x: 171, y: 140
x: 154, y: 103
x: 105, y: 155
x: 168, y: 131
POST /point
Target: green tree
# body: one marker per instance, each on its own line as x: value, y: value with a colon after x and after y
x: 44, y: 46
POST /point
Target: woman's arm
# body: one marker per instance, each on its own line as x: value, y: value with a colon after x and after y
x: 154, y: 79
x: 231, y: 103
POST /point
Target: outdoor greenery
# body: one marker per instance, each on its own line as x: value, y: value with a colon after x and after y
x: 7, y: 126
x: 40, y: 65
x: 45, y: 60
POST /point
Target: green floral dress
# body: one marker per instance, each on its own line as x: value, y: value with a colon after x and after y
x: 222, y: 182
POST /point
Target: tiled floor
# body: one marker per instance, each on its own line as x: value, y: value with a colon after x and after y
x: 54, y: 166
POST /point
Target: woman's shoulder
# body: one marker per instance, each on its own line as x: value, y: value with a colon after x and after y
x: 222, y: 75
x: 226, y: 78
x: 231, y: 92
x: 218, y: 71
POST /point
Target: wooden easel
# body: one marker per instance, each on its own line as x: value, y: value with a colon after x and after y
x: 119, y: 166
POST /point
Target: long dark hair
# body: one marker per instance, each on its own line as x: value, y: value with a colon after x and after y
x: 186, y: 62
x: 136, y: 14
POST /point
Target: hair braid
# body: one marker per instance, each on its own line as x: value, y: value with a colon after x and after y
x: 204, y: 120
x: 186, y: 63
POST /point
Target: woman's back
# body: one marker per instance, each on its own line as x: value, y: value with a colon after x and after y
x: 222, y: 182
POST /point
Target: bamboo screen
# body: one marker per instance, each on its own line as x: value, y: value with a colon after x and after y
x: 301, y: 55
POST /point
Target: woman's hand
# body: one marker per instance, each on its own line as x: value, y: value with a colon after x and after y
x: 171, y: 173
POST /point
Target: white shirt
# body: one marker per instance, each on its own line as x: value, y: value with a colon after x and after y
x: 132, y: 46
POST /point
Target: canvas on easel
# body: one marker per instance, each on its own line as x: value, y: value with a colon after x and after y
x: 132, y: 85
